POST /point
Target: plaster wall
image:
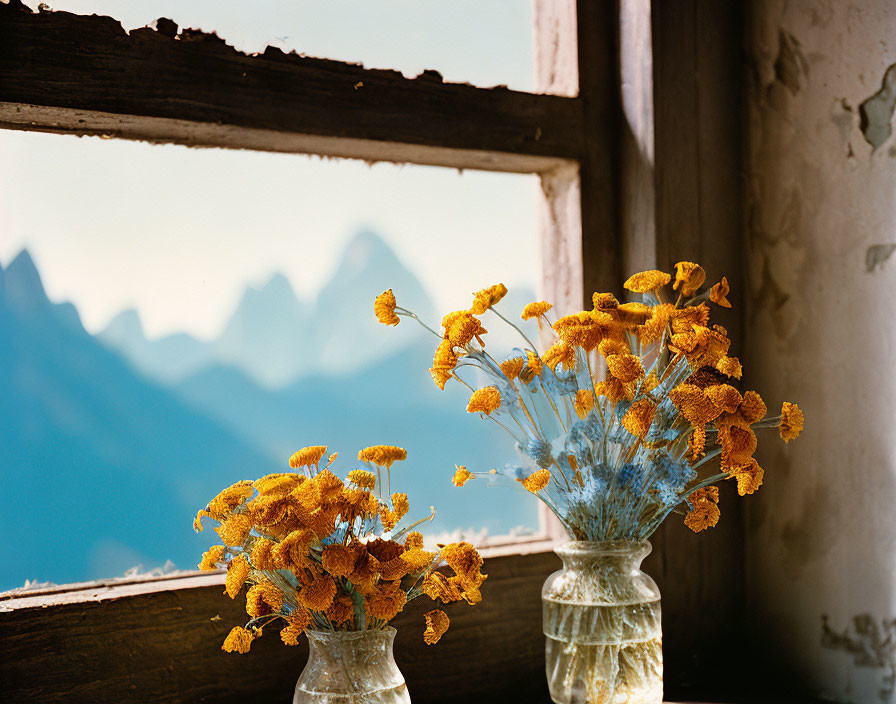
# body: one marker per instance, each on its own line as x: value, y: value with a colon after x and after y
x: 821, y: 260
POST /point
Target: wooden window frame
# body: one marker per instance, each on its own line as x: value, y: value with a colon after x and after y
x: 612, y: 200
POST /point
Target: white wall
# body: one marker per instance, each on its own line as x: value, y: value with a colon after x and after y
x: 820, y: 207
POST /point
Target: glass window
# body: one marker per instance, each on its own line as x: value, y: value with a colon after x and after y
x: 179, y: 319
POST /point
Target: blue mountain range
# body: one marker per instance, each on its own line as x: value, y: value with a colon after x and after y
x: 104, y: 467
x: 110, y: 444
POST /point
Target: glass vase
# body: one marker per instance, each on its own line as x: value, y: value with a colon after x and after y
x: 351, y: 667
x: 602, y: 625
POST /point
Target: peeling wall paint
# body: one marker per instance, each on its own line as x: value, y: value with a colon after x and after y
x: 870, y: 643
x: 820, y: 239
x: 876, y: 255
x: 877, y: 112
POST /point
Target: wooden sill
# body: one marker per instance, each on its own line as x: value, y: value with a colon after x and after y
x: 161, y: 638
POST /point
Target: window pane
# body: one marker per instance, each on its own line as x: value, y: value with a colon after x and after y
x: 484, y: 44
x: 181, y: 319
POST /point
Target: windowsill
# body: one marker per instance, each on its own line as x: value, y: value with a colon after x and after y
x: 106, y: 640
x: 122, y: 587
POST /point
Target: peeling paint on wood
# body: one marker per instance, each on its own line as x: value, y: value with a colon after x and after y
x: 54, y: 65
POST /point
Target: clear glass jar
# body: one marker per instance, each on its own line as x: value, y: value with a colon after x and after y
x: 351, y: 667
x: 603, y: 628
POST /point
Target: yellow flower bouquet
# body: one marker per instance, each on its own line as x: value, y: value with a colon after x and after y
x: 328, y: 557
x: 630, y: 413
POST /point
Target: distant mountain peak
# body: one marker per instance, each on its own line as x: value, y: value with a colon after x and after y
x: 22, y: 282
x: 367, y: 250
x: 369, y: 237
x: 278, y: 284
x: 125, y: 325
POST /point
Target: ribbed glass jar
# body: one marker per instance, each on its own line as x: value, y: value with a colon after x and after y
x: 351, y: 667
x: 603, y: 628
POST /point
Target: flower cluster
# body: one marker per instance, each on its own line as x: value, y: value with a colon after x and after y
x: 324, y: 553
x: 618, y: 420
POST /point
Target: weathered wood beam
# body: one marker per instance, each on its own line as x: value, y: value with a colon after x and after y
x: 61, y: 72
x: 162, y: 643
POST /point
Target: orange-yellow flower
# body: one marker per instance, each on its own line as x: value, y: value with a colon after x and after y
x: 612, y: 346
x: 261, y: 555
x: 625, y: 367
x: 212, y: 556
x: 512, y: 367
x: 318, y: 595
x: 583, y: 329
x: 438, y: 587
x: 696, y: 443
x: 278, y: 484
x: 633, y: 314
x: 487, y: 297
x: 536, y: 481
x: 436, y: 624
x: 382, y: 455
x: 738, y: 441
x: 645, y: 281
x: 704, y: 511
x: 484, y: 400
x: 237, y: 572
x: 341, y: 610
x: 417, y: 560
x: 711, y: 346
x: 297, y: 622
x: 535, y: 310
x: 307, y: 456
x: 639, y: 416
x: 584, y: 402
x: 604, y: 301
x: 239, y: 640
x: 749, y: 479
x: 684, y: 319
x: 463, y: 328
x: 461, y: 476
x: 362, y: 478
x: 400, y: 505
x: 694, y: 405
x: 292, y: 551
x: 724, y: 396
x: 384, y: 308
x: 718, y: 293
x: 235, y: 530
x: 414, y: 541
x: 443, y: 363
x: 386, y: 600
x: 792, y: 421
x: 225, y: 502
x: 654, y: 327
x: 263, y: 598
x: 533, y: 367
x: 561, y: 353
x: 339, y: 560
x: 464, y: 559
x: 730, y: 366
x: 753, y: 408
x: 688, y: 277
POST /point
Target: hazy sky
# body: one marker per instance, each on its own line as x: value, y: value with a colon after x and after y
x: 178, y: 233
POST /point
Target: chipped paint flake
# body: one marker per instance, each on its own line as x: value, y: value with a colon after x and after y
x: 876, y: 255
x: 876, y: 113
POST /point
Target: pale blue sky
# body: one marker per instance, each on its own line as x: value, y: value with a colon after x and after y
x: 179, y: 232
